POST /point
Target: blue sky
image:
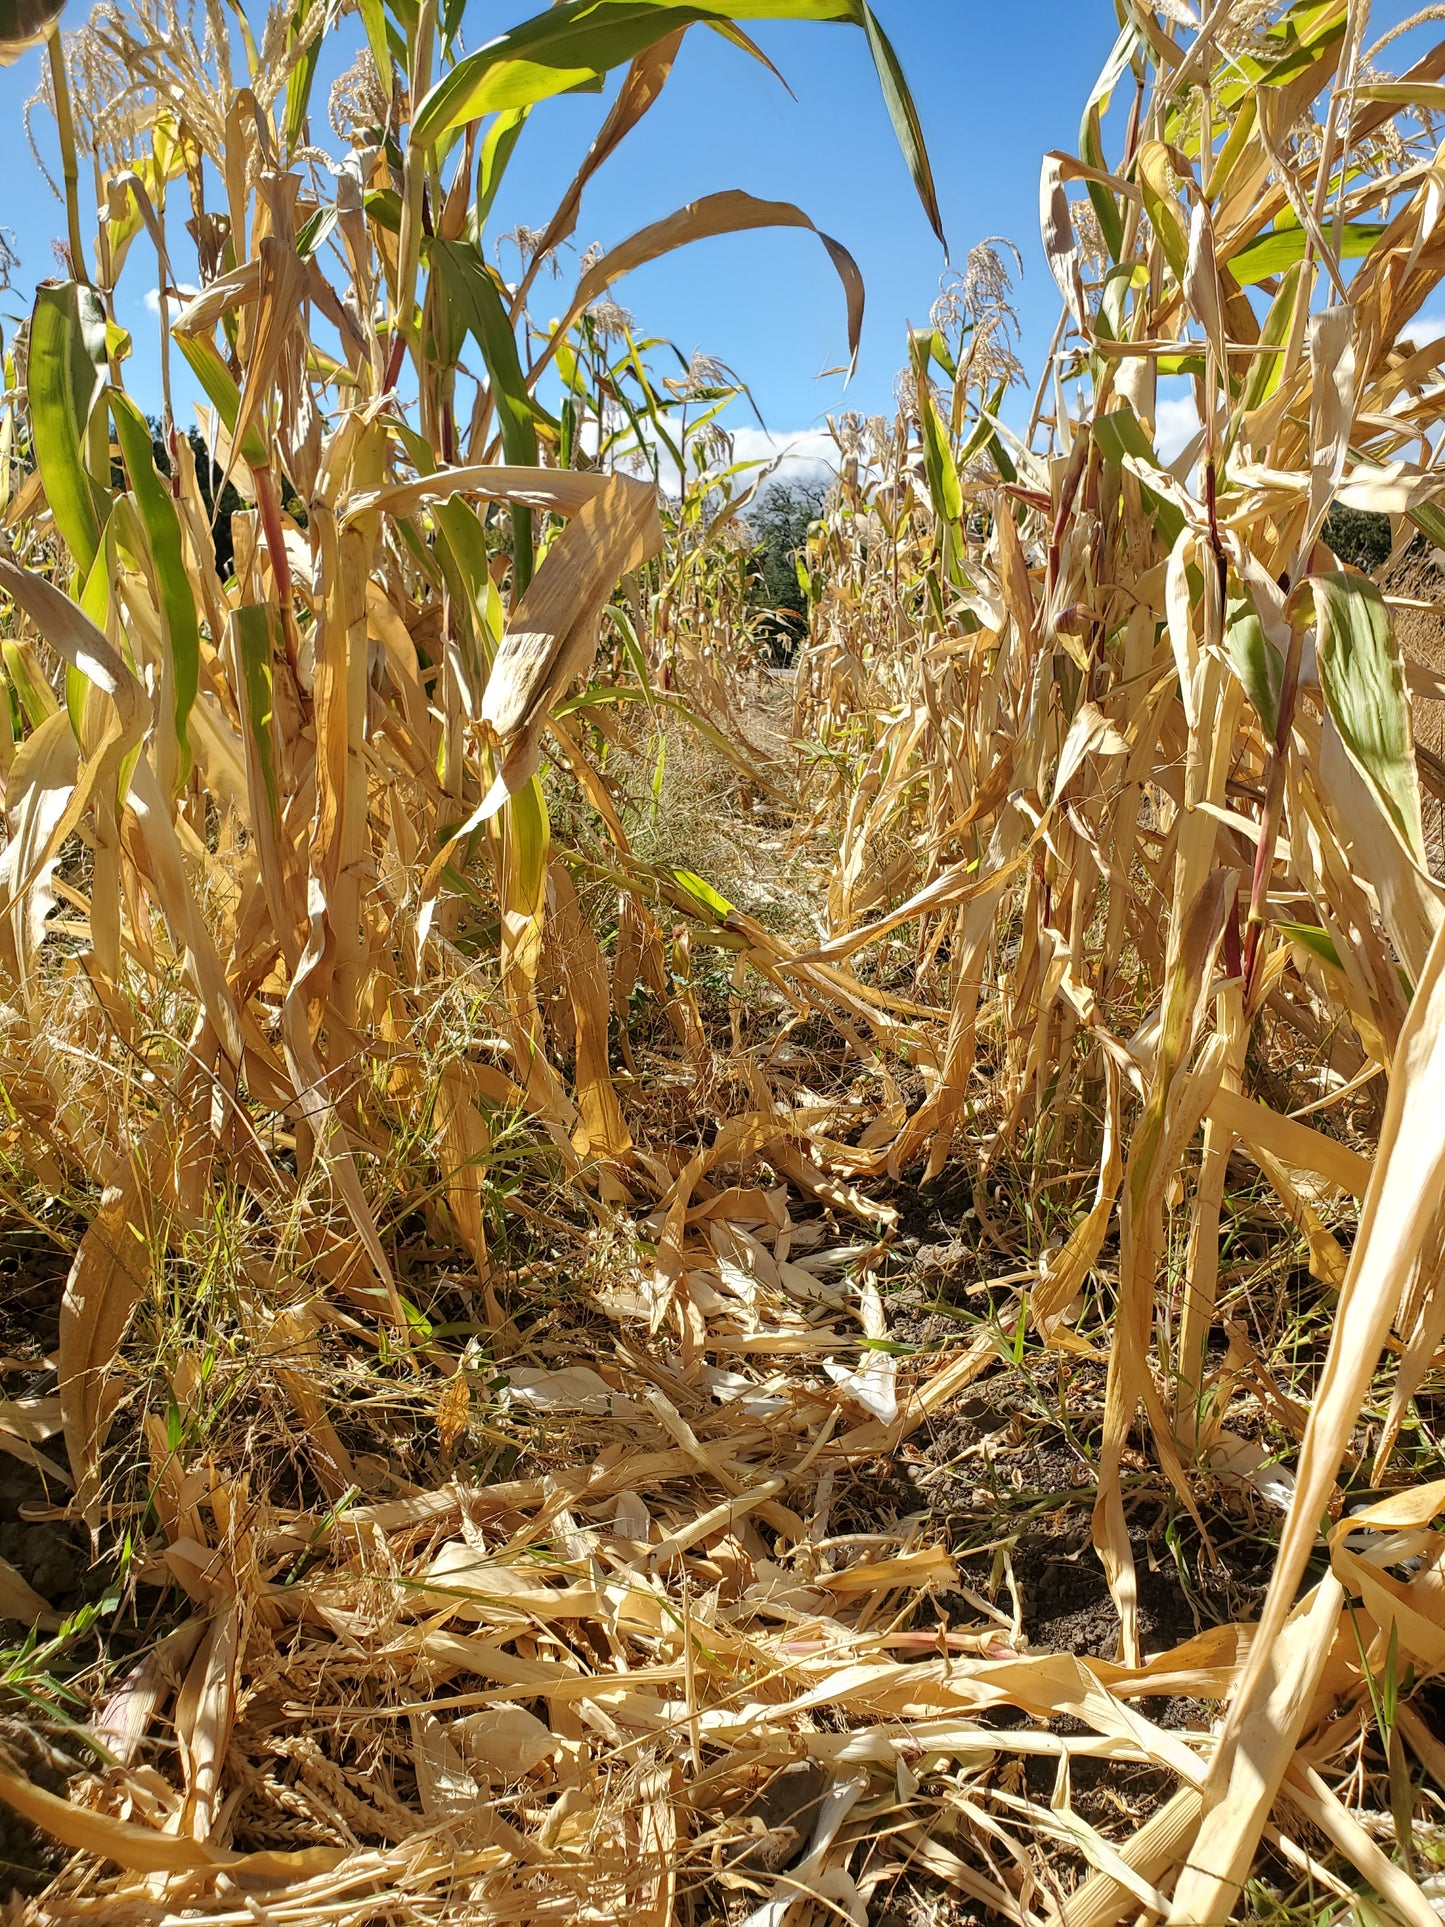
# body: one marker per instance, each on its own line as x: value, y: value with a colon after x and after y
x: 996, y: 86
x: 768, y: 303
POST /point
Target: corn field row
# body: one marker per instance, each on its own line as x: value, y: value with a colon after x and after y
x: 480, y: 1228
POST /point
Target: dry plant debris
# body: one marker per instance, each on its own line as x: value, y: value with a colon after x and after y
x: 530, y: 1463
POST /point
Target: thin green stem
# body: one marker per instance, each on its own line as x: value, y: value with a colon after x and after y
x: 65, y: 126
x: 414, y: 177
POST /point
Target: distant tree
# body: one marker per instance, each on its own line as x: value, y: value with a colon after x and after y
x: 1358, y: 536
x: 209, y: 476
x: 778, y: 522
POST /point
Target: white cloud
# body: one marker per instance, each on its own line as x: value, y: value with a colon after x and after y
x: 1424, y: 328
x: 805, y: 455
x: 1176, y: 423
x: 153, y: 298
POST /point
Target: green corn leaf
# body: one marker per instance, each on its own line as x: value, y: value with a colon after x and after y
x: 1244, y: 125
x: 1284, y: 247
x: 67, y: 372
x: 699, y: 887
x: 251, y: 637
x: 573, y: 45
x: 602, y: 696
x: 528, y: 840
x: 1121, y: 433
x: 564, y: 48
x: 1430, y: 521
x: 221, y: 391
x: 300, y: 78
x: 983, y: 432
x: 462, y: 553
x: 501, y: 138
x: 95, y: 600
x: 632, y: 650
x: 77, y: 689
x: 904, y: 115
x: 1305, y: 37
x: 938, y: 462
x: 1091, y: 143
x: 1255, y: 660
x: 475, y: 291
x: 248, y: 41
x: 475, y: 295
x: 373, y: 21
x: 27, y: 679
x: 161, y: 527
x: 1111, y: 317
x: 383, y: 205
x: 417, y: 449
x: 928, y: 343
x: 1106, y: 205
x: 1160, y: 187
x: 126, y: 220
x: 432, y: 562
x: 313, y: 232
x: 1268, y: 365
x: 567, y: 447
x: 252, y: 625
x: 1306, y: 31
x: 1363, y: 683
x: 1319, y: 942
x: 985, y: 435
